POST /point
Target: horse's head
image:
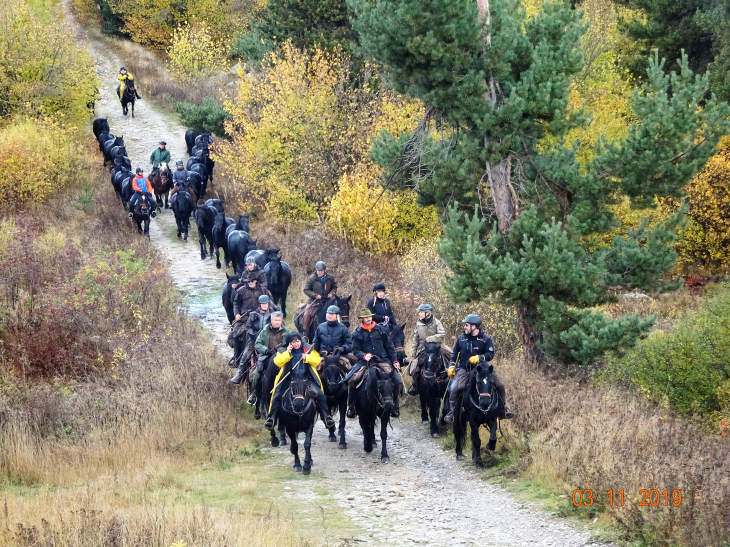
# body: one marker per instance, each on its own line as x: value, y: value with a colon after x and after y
x: 143, y: 205
x: 344, y: 304
x: 431, y: 360
x: 332, y: 374
x: 299, y: 394
x: 242, y: 224
x: 219, y: 221
x: 488, y: 399
x: 274, y: 263
x: 398, y: 337
x: 385, y: 390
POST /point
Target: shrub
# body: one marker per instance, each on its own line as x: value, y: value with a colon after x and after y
x: 36, y: 158
x: 195, y: 53
x: 251, y: 47
x: 208, y: 115
x: 689, y: 367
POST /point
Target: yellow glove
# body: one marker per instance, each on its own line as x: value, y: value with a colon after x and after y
x: 474, y: 359
x: 451, y: 372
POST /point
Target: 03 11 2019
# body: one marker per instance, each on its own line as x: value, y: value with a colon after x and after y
x: 646, y: 497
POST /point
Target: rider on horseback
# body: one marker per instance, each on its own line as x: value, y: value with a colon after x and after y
x: 318, y: 286
x: 123, y: 77
x: 140, y: 185
x: 287, y: 358
x: 372, y: 345
x: 254, y: 271
x: 380, y: 306
x: 158, y: 156
x: 332, y: 336
x: 256, y: 321
x: 472, y: 347
x: 428, y: 329
x: 180, y: 179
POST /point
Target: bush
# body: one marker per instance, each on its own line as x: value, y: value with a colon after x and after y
x: 251, y: 47
x: 195, y: 53
x: 689, y: 367
x: 208, y: 115
x: 37, y: 158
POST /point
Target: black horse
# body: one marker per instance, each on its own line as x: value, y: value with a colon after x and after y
x: 219, y: 237
x: 278, y: 278
x: 205, y: 218
x: 128, y: 97
x: 260, y: 256
x: 243, y: 223
x: 108, y: 147
x: 480, y: 405
x: 229, y: 295
x: 433, y: 384
x: 141, y: 214
x: 336, y: 392
x: 190, y: 136
x: 341, y: 302
x: 374, y: 399
x: 298, y: 413
x: 397, y: 335
x: 203, y: 139
x: 202, y: 172
x: 127, y: 190
x: 267, y: 385
x: 99, y: 126
x: 182, y: 207
x: 239, y: 244
x: 215, y: 204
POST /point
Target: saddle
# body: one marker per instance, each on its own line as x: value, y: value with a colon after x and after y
x: 308, y: 313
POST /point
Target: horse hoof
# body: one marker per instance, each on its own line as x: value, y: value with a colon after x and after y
x: 342, y: 446
x: 460, y: 457
x: 491, y: 445
x: 274, y: 442
x: 297, y: 468
x: 424, y: 422
x: 434, y: 435
x: 306, y: 471
x: 283, y: 442
x: 332, y: 439
x: 384, y: 459
x: 479, y: 466
x: 179, y: 236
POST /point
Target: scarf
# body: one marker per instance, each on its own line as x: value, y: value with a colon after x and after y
x: 369, y: 327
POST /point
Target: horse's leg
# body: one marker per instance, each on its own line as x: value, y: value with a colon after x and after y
x: 492, y: 444
x: 147, y: 228
x: 186, y: 226
x: 424, y: 405
x: 367, y: 441
x: 283, y: 302
x: 294, y: 449
x: 476, y: 445
x: 459, y: 434
x: 282, y: 435
x: 201, y: 239
x: 217, y: 257
x: 433, y: 404
x: 384, y: 458
x: 343, y: 421
x: 133, y: 109
x: 139, y: 227
x: 307, y: 452
x: 332, y: 438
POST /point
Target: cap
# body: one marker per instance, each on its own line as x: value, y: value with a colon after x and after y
x: 163, y: 142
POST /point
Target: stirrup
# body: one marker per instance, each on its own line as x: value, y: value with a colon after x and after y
x: 269, y: 423
x: 413, y: 390
x: 449, y: 418
x: 252, y: 399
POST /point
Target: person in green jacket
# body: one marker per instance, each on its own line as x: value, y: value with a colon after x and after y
x: 160, y: 155
x: 271, y: 337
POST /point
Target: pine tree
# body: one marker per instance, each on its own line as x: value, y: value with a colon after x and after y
x: 524, y: 214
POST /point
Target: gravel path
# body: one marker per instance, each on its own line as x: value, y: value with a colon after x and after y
x: 423, y: 495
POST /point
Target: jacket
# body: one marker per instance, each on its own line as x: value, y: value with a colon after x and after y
x: 267, y: 340
x: 160, y: 156
x: 124, y: 77
x: 284, y: 358
x: 180, y: 176
x: 468, y: 346
x: 381, y: 309
x: 313, y: 287
x: 258, y: 274
x: 141, y: 184
x: 247, y: 299
x: 327, y: 337
x: 434, y: 330
x: 375, y: 341
x: 258, y: 319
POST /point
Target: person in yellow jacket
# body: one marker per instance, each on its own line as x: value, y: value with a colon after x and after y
x: 123, y: 77
x: 294, y: 354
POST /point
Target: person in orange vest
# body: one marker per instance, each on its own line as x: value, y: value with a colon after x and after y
x: 141, y: 184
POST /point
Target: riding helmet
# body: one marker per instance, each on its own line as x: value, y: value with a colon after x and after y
x: 320, y: 266
x: 425, y: 307
x: 365, y: 313
x: 179, y: 162
x: 264, y: 299
x: 333, y: 309
x: 250, y: 260
x: 378, y: 287
x: 139, y: 170
x: 473, y: 319
x: 293, y: 336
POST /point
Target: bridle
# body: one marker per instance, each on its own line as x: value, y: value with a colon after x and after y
x: 493, y: 397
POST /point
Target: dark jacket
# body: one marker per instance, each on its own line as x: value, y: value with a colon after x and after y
x: 258, y: 319
x: 468, y: 346
x: 327, y: 337
x: 258, y: 274
x: 180, y: 177
x: 266, y: 340
x: 381, y: 309
x: 247, y: 299
x: 313, y: 287
x: 376, y: 342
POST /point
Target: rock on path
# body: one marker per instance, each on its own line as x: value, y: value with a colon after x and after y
x: 423, y: 495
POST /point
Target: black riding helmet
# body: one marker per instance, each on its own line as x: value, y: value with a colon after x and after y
x: 473, y: 319
x: 333, y: 309
x: 139, y: 170
x: 378, y: 287
x: 264, y: 299
x: 320, y: 266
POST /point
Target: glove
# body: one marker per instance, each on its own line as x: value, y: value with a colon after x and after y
x: 270, y: 351
x: 474, y: 359
x: 339, y: 349
x: 452, y: 371
x: 396, y: 364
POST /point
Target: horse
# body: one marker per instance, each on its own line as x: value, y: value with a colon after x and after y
x: 243, y: 223
x: 397, y: 335
x: 182, y: 207
x: 298, y: 413
x: 127, y: 190
x: 141, y: 214
x: 192, y: 160
x: 202, y: 171
x: 108, y: 146
x: 373, y: 400
x: 229, y: 295
x: 259, y: 255
x: 118, y: 174
x: 219, y: 236
x: 196, y: 182
x: 239, y: 244
x: 321, y: 316
x: 278, y: 278
x: 268, y: 380
x: 336, y: 392
x: 190, y: 137
x: 128, y: 97
x: 102, y: 138
x: 216, y: 204
x: 99, y: 126
x: 205, y: 217
x: 203, y: 139
x: 161, y: 182
x: 480, y: 405
x: 433, y: 384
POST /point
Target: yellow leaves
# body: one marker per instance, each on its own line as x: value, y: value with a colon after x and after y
x: 194, y: 52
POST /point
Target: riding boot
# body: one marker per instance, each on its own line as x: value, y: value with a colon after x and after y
x: 396, y: 407
x: 137, y: 94
x: 239, y: 376
x: 415, y: 386
x: 351, y: 402
x: 269, y: 423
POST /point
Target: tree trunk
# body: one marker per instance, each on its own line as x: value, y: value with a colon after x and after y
x: 500, y: 186
x: 531, y: 353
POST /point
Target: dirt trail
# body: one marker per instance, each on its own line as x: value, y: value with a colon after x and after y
x: 423, y: 495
